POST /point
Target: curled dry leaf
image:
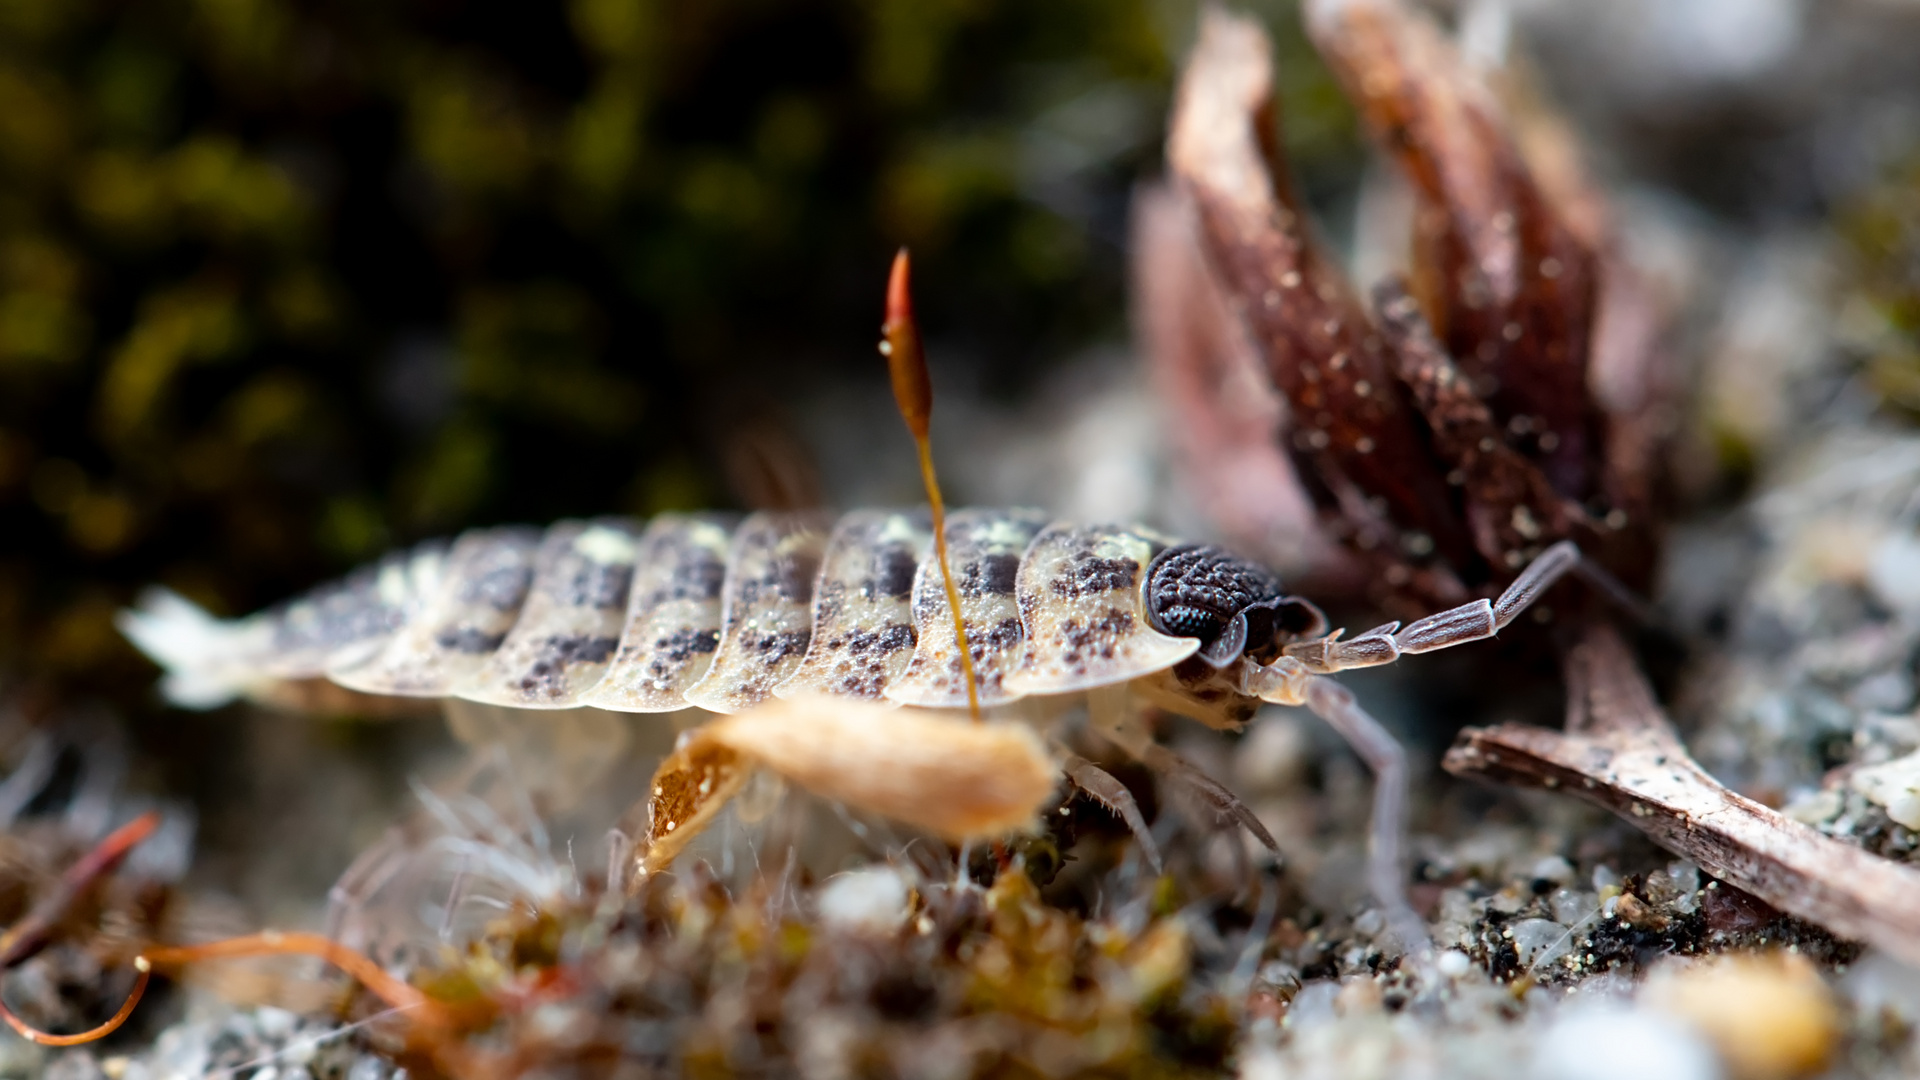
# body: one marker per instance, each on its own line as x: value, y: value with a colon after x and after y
x: 1510, y: 494
x: 1227, y: 418
x: 955, y: 778
x: 1447, y: 458
x: 1508, y: 285
x: 1358, y: 445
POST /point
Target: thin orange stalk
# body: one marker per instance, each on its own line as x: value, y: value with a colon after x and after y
x: 30, y: 934
x: 34, y: 1034
x: 913, y: 392
x: 396, y: 993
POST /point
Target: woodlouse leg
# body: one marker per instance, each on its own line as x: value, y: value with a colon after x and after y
x: 1386, y: 871
x: 1112, y: 794
x: 1189, y: 776
x: 1111, y: 711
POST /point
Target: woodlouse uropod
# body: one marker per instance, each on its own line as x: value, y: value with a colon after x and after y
x: 831, y: 652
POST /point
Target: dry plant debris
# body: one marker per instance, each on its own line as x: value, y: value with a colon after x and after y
x: 1446, y: 460
x: 1620, y: 752
x: 1474, y: 414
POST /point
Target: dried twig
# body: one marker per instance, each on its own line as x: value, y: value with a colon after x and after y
x: 1620, y: 752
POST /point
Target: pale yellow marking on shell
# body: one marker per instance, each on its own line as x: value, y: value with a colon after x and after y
x: 395, y: 585
x: 478, y: 600
x: 863, y: 634
x: 984, y: 546
x: 673, y: 616
x: 1079, y: 592
x: 569, y: 627
x: 606, y: 545
x: 768, y: 607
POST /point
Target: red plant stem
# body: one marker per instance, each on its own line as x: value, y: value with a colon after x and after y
x: 34, y: 1034
x: 30, y: 934
x: 394, y: 992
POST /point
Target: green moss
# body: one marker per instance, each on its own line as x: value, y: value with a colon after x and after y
x: 611, y: 228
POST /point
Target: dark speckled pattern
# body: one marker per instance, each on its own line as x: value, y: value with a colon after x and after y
x: 718, y: 613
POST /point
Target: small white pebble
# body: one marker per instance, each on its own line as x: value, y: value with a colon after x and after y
x: 1906, y: 810
x: 1553, y: 868
x: 1894, y: 573
x: 1608, y: 1042
x: 871, y: 900
x: 1453, y: 963
x: 1541, y: 939
x: 275, y: 1023
x: 1313, y: 1005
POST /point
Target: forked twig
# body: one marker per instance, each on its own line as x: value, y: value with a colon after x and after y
x: 1621, y: 753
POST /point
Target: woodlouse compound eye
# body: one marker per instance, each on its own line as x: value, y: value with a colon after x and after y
x: 1232, y: 605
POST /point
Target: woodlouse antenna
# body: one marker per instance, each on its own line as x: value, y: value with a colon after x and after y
x: 913, y: 392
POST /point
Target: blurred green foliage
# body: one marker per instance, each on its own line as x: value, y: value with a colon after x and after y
x: 1882, y: 228
x: 283, y: 284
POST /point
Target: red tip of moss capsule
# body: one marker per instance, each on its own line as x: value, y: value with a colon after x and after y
x: 900, y: 344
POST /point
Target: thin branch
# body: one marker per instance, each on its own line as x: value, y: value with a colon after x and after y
x: 1620, y: 752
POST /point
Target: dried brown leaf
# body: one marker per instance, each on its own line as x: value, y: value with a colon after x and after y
x: 1226, y: 419
x: 1353, y: 433
x: 1508, y: 283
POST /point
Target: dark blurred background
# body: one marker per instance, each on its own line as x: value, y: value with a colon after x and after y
x: 285, y: 284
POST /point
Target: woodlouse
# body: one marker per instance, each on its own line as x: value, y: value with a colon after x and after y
x: 736, y: 615
x: 804, y: 633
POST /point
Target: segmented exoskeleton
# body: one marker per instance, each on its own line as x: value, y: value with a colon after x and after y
x: 721, y: 613
x: 733, y: 616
